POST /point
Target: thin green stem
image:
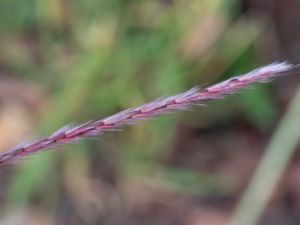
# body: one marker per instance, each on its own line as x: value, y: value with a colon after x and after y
x: 270, y: 168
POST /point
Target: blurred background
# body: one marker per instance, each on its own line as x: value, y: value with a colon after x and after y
x: 70, y: 61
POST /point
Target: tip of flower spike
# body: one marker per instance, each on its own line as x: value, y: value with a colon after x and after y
x: 265, y: 73
x: 277, y: 67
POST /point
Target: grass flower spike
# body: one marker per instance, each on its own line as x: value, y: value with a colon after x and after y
x: 161, y: 106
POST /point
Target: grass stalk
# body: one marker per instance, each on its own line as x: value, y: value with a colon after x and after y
x: 271, y: 167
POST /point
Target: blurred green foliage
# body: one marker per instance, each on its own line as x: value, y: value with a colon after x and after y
x: 97, y: 57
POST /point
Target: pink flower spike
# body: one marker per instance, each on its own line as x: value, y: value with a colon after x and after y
x: 159, y: 107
